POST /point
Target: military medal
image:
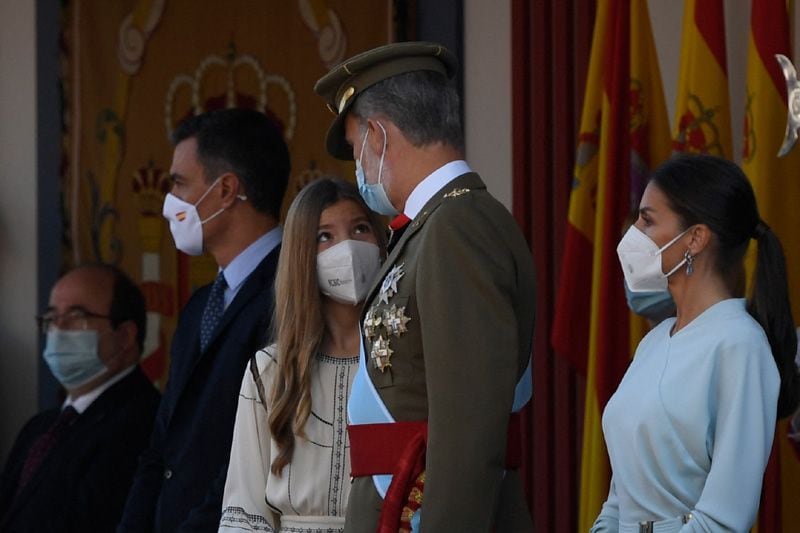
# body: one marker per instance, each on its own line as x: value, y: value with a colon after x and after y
x: 395, y: 320
x: 389, y: 285
x: 381, y: 354
x: 793, y: 101
x: 372, y: 322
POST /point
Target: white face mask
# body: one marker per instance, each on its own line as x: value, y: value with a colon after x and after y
x: 346, y: 270
x: 184, y: 222
x: 640, y: 258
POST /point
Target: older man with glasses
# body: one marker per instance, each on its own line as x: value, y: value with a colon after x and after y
x: 71, y: 467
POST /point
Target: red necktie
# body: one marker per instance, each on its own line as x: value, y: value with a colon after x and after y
x: 396, y: 227
x: 42, y: 445
x: 399, y: 222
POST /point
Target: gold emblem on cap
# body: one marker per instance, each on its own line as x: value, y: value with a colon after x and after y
x: 348, y: 93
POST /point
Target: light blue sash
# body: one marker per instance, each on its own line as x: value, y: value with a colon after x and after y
x: 366, y: 406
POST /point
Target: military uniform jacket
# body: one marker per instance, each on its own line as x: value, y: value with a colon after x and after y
x: 452, y: 314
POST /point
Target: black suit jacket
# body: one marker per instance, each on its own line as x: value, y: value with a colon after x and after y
x: 181, y: 476
x: 82, y: 483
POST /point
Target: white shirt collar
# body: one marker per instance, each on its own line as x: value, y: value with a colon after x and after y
x: 432, y: 184
x: 82, y: 403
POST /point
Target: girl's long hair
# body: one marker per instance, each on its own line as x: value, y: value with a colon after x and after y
x: 298, y: 323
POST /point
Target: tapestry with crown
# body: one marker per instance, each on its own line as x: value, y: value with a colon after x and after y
x: 133, y: 69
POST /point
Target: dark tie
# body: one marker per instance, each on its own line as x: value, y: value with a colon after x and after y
x: 42, y: 445
x: 215, y: 307
x: 397, y: 227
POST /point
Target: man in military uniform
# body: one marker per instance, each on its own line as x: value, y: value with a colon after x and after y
x: 447, y: 327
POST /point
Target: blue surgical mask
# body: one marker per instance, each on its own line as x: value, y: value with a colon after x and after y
x: 374, y: 194
x: 653, y: 305
x: 72, y: 356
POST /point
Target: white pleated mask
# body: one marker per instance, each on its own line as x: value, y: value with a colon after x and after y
x: 640, y: 258
x: 184, y: 222
x: 346, y: 270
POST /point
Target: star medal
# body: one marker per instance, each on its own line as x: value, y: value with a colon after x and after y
x: 395, y: 320
x: 381, y: 354
x: 372, y: 322
x: 389, y: 285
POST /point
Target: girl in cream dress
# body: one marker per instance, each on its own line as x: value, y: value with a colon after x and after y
x: 290, y: 464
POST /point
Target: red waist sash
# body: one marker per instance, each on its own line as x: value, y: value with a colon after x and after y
x: 398, y: 449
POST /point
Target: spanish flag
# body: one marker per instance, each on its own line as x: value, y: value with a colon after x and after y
x: 702, y: 111
x: 624, y: 132
x: 777, y: 186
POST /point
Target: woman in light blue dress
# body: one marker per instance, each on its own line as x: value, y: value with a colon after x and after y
x: 689, y: 429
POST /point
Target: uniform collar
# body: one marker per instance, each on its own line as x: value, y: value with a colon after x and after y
x: 433, y: 183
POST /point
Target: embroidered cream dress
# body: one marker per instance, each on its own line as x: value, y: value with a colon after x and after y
x: 311, y: 494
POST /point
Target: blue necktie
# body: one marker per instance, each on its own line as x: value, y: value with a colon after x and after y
x: 215, y: 307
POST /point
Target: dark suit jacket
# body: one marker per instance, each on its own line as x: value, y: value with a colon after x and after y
x: 181, y: 476
x: 469, y: 290
x: 82, y: 483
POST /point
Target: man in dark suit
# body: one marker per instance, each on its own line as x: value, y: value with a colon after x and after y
x: 447, y: 327
x: 229, y: 170
x: 71, y: 467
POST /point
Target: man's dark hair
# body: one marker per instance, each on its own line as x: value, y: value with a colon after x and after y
x: 127, y: 300
x: 127, y: 303
x: 246, y: 143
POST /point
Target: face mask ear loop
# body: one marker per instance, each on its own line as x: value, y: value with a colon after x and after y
x: 212, y: 217
x: 203, y: 197
x: 673, y: 241
x: 675, y: 268
x: 685, y: 259
x: 383, y: 153
x: 363, y: 144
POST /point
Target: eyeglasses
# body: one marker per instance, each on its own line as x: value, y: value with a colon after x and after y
x: 73, y: 319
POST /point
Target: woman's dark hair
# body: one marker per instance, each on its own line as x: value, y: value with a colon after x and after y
x: 708, y: 190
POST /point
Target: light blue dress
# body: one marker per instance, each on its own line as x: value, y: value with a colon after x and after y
x: 689, y: 429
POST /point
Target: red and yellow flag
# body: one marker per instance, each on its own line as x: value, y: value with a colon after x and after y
x: 624, y: 133
x: 776, y: 182
x: 702, y: 111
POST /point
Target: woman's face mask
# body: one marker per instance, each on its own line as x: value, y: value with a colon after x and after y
x: 640, y: 259
x: 654, y: 306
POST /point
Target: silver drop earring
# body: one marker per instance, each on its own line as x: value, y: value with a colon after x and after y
x: 689, y: 259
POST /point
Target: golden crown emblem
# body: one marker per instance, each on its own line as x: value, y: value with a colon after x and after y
x: 150, y: 185
x: 229, y: 67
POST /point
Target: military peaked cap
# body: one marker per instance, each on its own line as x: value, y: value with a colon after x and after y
x: 344, y: 82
